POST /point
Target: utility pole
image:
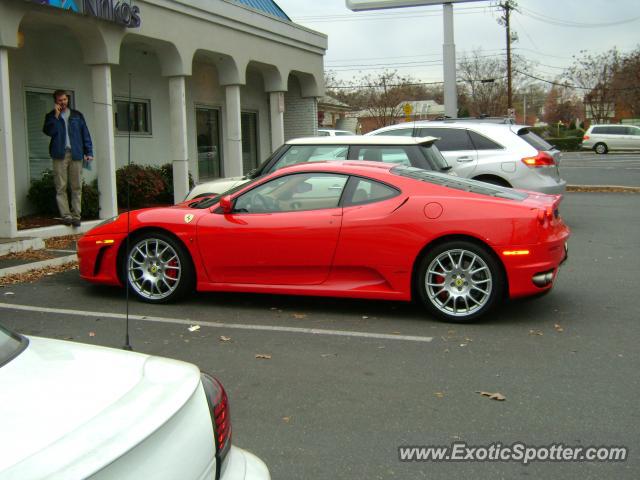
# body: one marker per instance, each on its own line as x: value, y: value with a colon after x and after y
x: 507, y: 20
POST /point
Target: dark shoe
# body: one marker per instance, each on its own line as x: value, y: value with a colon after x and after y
x: 67, y: 221
x: 75, y: 222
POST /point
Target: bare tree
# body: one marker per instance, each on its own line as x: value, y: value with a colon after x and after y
x: 626, y: 83
x: 485, y: 83
x: 594, y: 75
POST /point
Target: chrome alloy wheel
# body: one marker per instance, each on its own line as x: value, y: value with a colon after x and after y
x: 458, y: 282
x: 154, y: 269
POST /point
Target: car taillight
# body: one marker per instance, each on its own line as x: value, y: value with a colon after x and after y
x: 220, y: 418
x: 543, y: 159
x: 586, y: 137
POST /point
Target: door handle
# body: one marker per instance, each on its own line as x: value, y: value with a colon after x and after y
x: 335, y: 187
x: 464, y: 159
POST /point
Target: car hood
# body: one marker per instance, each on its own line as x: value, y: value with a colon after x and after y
x: 69, y: 409
x: 218, y: 186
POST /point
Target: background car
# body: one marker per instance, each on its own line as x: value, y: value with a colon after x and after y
x: 418, y: 152
x: 602, y: 138
x: 72, y: 411
x: 330, y: 132
x: 345, y: 229
x: 498, y: 153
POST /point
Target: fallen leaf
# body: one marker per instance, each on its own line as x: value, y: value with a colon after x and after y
x: 9, y: 293
x: 325, y: 355
x: 558, y: 327
x: 224, y: 339
x: 286, y: 419
x: 194, y: 328
x: 493, y: 396
x: 364, y: 317
x: 263, y: 356
x: 439, y: 394
x: 535, y: 332
x: 92, y: 334
x: 299, y: 315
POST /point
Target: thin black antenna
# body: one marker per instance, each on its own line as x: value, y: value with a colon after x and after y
x: 414, y: 132
x: 127, y: 342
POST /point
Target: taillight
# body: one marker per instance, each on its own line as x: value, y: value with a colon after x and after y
x: 220, y: 418
x: 586, y: 137
x: 543, y: 159
x: 545, y: 214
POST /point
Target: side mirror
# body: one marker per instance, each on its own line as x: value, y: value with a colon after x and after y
x: 226, y: 205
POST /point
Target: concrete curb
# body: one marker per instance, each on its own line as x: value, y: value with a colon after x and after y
x: 21, y: 244
x: 28, y: 267
x: 603, y: 188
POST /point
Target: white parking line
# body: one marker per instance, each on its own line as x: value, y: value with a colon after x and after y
x: 237, y: 326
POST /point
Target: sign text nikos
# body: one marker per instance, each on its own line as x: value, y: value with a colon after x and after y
x: 117, y: 11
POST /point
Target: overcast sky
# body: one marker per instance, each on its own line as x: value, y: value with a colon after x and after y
x: 410, y: 39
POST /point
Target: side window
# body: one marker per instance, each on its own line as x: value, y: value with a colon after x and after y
x: 309, y: 153
x: 368, y: 191
x: 303, y: 191
x: 398, y: 132
x: 451, y: 139
x: 598, y: 130
x: 483, y: 143
x: 323, y: 134
x: 634, y: 131
x: 397, y: 155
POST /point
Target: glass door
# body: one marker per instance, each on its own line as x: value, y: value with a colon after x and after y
x: 208, y: 141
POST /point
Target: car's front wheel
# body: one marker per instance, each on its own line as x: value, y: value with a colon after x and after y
x: 158, y: 268
x: 459, y: 281
x: 601, y: 148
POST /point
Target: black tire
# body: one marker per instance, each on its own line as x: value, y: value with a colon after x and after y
x: 449, y: 280
x: 158, y: 268
x: 494, y: 181
x: 601, y: 148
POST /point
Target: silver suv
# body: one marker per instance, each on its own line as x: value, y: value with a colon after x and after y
x: 602, y: 138
x: 497, y: 153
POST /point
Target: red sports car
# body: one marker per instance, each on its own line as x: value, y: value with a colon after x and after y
x: 341, y: 229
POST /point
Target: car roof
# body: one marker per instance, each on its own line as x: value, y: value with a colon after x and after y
x: 453, y: 123
x: 361, y: 140
x: 351, y: 166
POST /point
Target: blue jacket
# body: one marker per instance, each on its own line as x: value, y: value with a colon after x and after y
x: 78, y: 135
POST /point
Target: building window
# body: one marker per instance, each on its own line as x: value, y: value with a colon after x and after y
x: 134, y: 114
x: 208, y: 142
x: 249, y: 123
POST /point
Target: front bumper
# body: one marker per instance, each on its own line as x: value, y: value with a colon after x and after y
x: 98, y: 258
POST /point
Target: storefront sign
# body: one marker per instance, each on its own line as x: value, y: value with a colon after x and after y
x: 121, y: 12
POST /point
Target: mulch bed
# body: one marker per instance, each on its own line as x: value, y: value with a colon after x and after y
x: 35, y: 275
x: 67, y: 242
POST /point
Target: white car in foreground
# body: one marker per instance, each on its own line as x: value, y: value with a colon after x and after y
x: 75, y: 411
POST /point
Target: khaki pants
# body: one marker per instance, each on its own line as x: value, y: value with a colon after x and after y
x: 67, y: 170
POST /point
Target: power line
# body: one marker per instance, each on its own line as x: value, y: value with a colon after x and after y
x: 569, y: 23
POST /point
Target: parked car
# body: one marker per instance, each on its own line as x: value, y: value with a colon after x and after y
x: 602, y: 138
x: 330, y: 132
x: 76, y: 411
x: 419, y: 152
x: 498, y: 153
x: 340, y: 229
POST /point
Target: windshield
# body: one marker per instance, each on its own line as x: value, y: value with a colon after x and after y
x: 11, y: 345
x: 458, y: 183
x: 534, y: 140
x: 207, y: 202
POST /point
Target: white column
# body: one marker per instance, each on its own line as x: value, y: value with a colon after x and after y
x: 103, y: 134
x: 276, y: 113
x: 8, y: 213
x: 233, y: 129
x: 449, y: 60
x: 179, y: 147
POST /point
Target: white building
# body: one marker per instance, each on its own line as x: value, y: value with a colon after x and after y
x: 216, y: 86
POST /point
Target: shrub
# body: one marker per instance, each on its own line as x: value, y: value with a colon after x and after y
x: 42, y: 195
x: 166, y: 171
x: 566, y: 144
x: 145, y: 185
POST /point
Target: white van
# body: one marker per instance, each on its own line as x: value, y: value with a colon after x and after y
x: 602, y: 138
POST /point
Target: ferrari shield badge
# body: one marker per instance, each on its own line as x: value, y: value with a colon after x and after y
x: 188, y: 217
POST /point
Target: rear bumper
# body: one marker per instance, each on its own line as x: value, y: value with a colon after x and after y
x: 243, y: 465
x: 524, y: 271
x: 559, y: 187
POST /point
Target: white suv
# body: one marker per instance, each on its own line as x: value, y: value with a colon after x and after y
x: 501, y: 154
x: 602, y: 138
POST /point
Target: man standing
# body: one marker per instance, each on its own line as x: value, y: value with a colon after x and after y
x: 70, y: 145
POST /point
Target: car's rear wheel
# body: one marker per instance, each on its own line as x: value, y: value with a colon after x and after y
x: 601, y: 148
x: 158, y: 268
x: 459, y: 281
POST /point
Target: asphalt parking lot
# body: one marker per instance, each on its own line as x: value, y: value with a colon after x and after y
x: 350, y: 381
x: 587, y: 168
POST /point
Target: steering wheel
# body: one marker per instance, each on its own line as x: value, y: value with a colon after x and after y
x: 261, y: 202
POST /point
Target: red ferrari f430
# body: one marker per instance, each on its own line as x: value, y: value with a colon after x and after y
x: 341, y: 229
